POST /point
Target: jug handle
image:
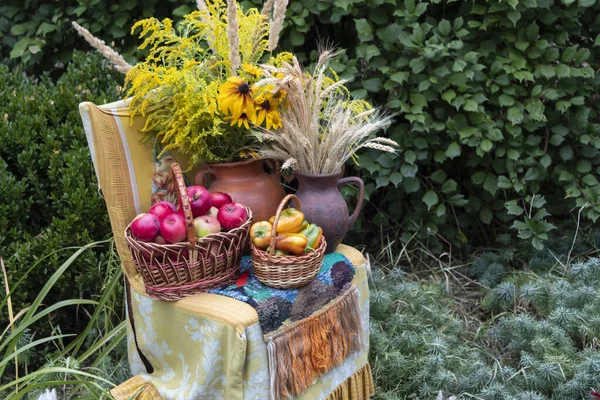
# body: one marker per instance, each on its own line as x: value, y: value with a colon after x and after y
x: 274, y: 166
x: 361, y: 195
x: 199, y: 178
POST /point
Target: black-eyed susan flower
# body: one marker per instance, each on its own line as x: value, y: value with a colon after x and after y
x: 267, y: 112
x: 235, y: 98
x: 243, y: 120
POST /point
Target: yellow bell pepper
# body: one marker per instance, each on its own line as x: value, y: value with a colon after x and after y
x: 291, y: 242
x: 260, y: 234
x: 290, y: 221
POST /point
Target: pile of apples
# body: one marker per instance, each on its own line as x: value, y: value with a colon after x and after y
x: 213, y: 213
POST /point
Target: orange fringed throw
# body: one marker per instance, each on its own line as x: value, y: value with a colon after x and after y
x: 311, y: 347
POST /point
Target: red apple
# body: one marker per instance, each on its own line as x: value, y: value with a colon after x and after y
x: 168, y: 204
x: 173, y: 228
x: 219, y: 199
x: 213, y: 212
x: 145, y: 227
x: 206, y: 225
x: 200, y: 200
x: 161, y: 210
x: 232, y: 215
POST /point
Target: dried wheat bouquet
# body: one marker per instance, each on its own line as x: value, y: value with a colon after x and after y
x: 322, y: 126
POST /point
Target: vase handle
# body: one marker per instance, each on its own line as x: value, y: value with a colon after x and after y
x: 361, y: 195
x: 201, y: 175
x: 274, y: 166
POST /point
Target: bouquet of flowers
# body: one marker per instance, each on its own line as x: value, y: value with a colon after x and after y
x: 197, y: 88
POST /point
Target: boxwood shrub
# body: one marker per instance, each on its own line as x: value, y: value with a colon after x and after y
x: 49, y: 192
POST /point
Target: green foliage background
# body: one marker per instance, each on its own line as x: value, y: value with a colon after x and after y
x: 497, y: 104
x: 496, y: 100
x: 49, y: 193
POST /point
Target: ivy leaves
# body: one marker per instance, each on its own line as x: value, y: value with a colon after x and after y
x: 499, y: 96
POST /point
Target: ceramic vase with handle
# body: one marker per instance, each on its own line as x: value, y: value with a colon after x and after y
x: 322, y: 204
x: 248, y: 183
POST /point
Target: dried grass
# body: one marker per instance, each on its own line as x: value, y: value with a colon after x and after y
x: 322, y: 127
x: 111, y: 55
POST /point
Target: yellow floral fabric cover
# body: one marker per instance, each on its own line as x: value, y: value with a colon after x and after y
x: 205, y: 346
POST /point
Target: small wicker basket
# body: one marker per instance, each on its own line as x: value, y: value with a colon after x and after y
x: 174, y: 271
x: 286, y: 271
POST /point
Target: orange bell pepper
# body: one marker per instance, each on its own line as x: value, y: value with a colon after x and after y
x: 290, y: 221
x: 260, y: 234
x: 291, y: 242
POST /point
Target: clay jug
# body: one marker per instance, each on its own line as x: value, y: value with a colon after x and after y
x: 247, y: 183
x: 323, y: 204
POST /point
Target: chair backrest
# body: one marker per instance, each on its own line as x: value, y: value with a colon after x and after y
x: 124, y: 166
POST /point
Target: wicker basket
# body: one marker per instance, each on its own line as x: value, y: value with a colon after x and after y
x: 173, y: 271
x: 286, y: 271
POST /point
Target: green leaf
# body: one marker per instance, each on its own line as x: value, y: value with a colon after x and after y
x: 411, y: 185
x: 514, y: 115
x: 458, y: 79
x: 417, y: 65
x: 409, y: 171
x: 430, y: 198
x: 584, y: 166
x: 586, y: 3
x: 399, y: 76
x: 514, y: 16
x: 448, y: 95
x: 418, y: 100
x: 513, y: 208
x: 504, y: 183
x: 563, y: 71
x: 444, y: 27
x: 439, y: 176
x: 181, y: 10
x: 532, y: 31
x: 566, y: 153
x: 470, y: 105
x: 547, y: 71
x: 453, y: 150
x: 486, y: 145
x: 395, y: 178
x: 506, y: 101
x: 410, y: 156
x: 449, y: 186
x: 382, y: 181
x: 590, y: 180
x: 19, y: 47
x: 363, y: 28
x: 478, y: 177
x: 491, y: 183
x: 485, y: 215
x: 17, y: 29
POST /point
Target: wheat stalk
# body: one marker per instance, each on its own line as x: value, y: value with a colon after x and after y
x: 205, y: 17
x: 321, y: 130
x: 267, y: 7
x: 115, y: 58
x: 277, y: 23
x: 233, y: 36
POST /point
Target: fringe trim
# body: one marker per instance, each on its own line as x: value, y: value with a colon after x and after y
x: 135, y: 388
x: 309, y: 348
x: 359, y: 386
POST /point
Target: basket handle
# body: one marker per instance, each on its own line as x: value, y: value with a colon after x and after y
x: 283, y: 203
x: 185, y: 203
